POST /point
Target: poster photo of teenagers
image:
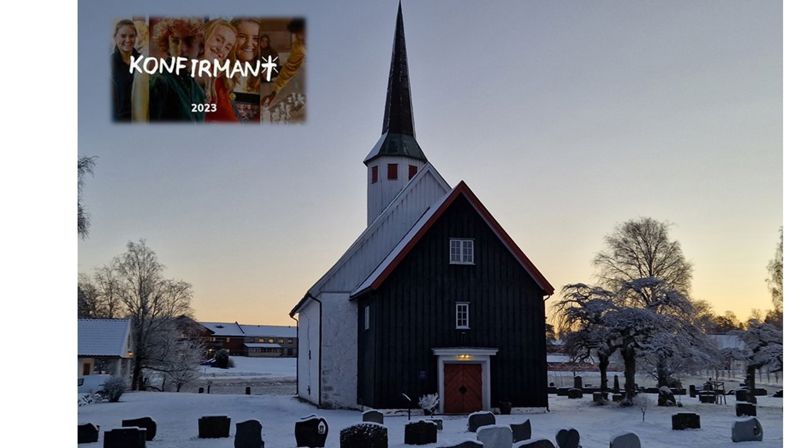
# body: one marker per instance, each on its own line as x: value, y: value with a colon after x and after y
x: 208, y: 70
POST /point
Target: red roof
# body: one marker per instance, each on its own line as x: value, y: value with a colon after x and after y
x: 461, y: 190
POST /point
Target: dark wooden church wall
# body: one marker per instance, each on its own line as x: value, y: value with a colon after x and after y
x: 414, y: 311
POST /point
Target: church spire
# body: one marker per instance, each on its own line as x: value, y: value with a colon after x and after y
x: 398, y: 117
x: 398, y: 137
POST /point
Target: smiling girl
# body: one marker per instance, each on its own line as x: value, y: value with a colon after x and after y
x: 219, y: 45
x: 121, y: 80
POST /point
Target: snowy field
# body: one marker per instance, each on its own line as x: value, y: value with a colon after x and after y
x: 246, y: 367
x: 177, y: 414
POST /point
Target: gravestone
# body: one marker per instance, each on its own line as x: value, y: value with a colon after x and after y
x: 311, y: 431
x: 627, y: 440
x: 692, y: 390
x: 248, y: 435
x: 562, y: 391
x: 759, y: 392
x: 707, y: 397
x: 568, y: 438
x: 372, y: 417
x: 745, y: 409
x: 478, y: 419
x: 201, y: 390
x: 665, y: 397
x: 213, y: 426
x: 677, y: 390
x: 125, y: 438
x: 749, y: 430
x: 145, y: 422
x: 745, y: 395
x: 538, y: 443
x: 552, y: 390
x: 778, y: 394
x: 599, y: 397
x: 364, y: 435
x: 247, y: 390
x: 616, y: 397
x: 496, y: 436
x: 575, y: 393
x: 577, y: 382
x: 420, y: 433
x: 466, y: 444
x: 521, y: 431
x: 504, y: 407
x: 616, y: 385
x: 685, y: 420
x: 88, y: 433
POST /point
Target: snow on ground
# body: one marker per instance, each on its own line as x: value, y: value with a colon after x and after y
x: 254, y: 368
x: 177, y: 414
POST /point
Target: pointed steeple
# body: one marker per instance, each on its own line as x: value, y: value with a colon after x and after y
x: 398, y: 137
x: 398, y: 117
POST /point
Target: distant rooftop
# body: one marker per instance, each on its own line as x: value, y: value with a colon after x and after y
x: 237, y: 329
x: 103, y: 337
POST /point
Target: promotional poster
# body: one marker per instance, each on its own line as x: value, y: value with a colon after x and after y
x: 462, y: 223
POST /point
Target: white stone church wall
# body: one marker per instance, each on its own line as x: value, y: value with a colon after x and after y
x: 339, y: 351
x: 308, y: 352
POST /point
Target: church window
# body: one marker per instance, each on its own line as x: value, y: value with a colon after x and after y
x: 391, y: 172
x: 412, y: 170
x: 374, y: 174
x: 462, y: 251
x: 462, y: 315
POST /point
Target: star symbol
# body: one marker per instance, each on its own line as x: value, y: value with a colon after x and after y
x: 269, y: 66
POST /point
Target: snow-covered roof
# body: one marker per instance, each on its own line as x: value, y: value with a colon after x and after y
x: 378, y: 239
x: 261, y: 345
x: 727, y: 340
x: 425, y: 222
x: 244, y: 330
x: 103, y: 337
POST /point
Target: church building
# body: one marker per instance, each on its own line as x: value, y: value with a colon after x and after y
x: 432, y: 297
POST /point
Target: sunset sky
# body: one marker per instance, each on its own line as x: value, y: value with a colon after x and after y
x: 565, y: 118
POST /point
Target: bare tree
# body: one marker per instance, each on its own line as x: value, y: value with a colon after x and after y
x: 176, y: 356
x: 87, y: 298
x: 775, y: 283
x: 150, y: 300
x: 85, y: 166
x: 642, y: 249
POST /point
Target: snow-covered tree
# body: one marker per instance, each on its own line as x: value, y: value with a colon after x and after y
x: 763, y: 347
x: 581, y: 312
x: 175, y: 356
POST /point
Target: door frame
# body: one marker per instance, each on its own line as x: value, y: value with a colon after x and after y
x: 465, y: 355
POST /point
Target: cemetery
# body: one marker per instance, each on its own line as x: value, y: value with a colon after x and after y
x: 192, y: 420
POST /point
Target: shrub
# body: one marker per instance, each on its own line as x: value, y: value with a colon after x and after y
x: 114, y: 388
x: 222, y: 360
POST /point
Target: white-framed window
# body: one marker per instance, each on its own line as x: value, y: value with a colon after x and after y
x: 462, y: 315
x: 366, y: 317
x: 462, y: 251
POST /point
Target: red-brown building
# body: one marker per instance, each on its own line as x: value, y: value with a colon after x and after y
x: 252, y: 340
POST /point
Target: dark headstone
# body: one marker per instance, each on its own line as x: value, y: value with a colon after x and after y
x: 420, y: 433
x: 749, y: 430
x: 759, y: 392
x: 248, y: 435
x: 685, y: 420
x: 144, y: 422
x: 212, y: 427
x: 627, y: 440
x: 247, y: 390
x: 745, y: 395
x: 505, y: 407
x: 575, y: 393
x: 577, y: 382
x: 372, y: 417
x: 495, y: 436
x: 568, y: 438
x: 617, y: 397
x: 311, y: 431
x: 201, y: 390
x: 466, y: 444
x: 677, y: 390
x: 666, y: 397
x: 562, y: 391
x: 539, y: 443
x: 707, y: 397
x: 125, y: 438
x: 478, y: 419
x: 616, y: 384
x: 745, y: 409
x: 778, y: 394
x: 651, y: 390
x: 692, y: 390
x: 364, y: 435
x: 599, y: 397
x: 552, y: 390
x: 88, y: 433
x: 521, y: 431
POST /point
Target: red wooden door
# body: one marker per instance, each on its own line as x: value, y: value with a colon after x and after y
x: 463, y: 388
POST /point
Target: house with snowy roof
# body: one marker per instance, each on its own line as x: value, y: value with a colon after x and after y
x: 104, y: 346
x: 252, y: 340
x: 432, y: 297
